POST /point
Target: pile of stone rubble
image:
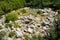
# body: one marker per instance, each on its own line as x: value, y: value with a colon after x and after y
x: 30, y: 24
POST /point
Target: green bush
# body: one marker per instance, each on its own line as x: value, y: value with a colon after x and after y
x: 16, y: 25
x: 53, y: 34
x: 23, y: 11
x: 2, y: 34
x: 37, y: 37
x: 11, y: 34
x: 13, y: 16
x: 34, y: 37
x: 26, y: 37
x: 39, y: 12
x: 8, y: 25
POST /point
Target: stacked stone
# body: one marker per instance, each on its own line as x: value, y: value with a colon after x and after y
x: 30, y: 24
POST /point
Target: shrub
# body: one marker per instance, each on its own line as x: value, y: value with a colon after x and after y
x: 39, y: 12
x: 11, y: 34
x: 34, y: 37
x: 8, y: 25
x: 37, y: 37
x: 53, y: 34
x: 26, y: 37
x: 23, y: 11
x: 16, y: 25
x: 11, y: 16
x: 2, y: 34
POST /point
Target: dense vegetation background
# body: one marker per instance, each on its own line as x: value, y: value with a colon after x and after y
x: 43, y: 3
x: 9, y: 5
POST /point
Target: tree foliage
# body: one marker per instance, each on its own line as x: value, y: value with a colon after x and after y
x: 43, y: 3
x: 9, y: 5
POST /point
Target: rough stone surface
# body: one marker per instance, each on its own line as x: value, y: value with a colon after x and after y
x: 29, y: 24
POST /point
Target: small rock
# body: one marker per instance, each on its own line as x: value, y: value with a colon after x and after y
x: 30, y: 30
